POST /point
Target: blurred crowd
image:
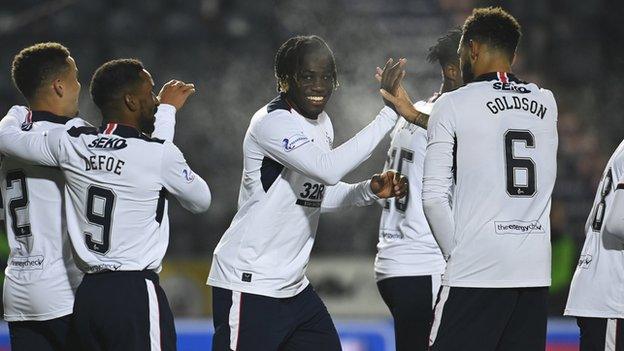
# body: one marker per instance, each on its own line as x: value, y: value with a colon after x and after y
x: 226, y: 48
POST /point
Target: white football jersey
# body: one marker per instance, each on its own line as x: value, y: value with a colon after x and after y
x: 597, y: 288
x: 496, y: 138
x: 406, y: 246
x: 290, y: 174
x: 41, y: 276
x: 116, y: 183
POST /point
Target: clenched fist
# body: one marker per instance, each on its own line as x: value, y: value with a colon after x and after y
x: 389, y: 184
x: 175, y: 92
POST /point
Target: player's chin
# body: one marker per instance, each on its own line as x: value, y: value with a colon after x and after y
x: 314, y: 109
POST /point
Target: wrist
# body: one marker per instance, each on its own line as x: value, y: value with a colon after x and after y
x: 368, y: 189
x: 165, y: 109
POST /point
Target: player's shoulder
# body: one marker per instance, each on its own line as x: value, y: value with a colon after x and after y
x: 617, y: 160
x: 275, y: 114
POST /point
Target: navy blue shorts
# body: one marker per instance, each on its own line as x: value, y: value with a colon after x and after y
x: 490, y: 319
x: 49, y: 335
x: 410, y: 300
x: 245, y: 322
x: 121, y: 311
x: 599, y: 334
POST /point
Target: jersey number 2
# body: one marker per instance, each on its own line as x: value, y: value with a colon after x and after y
x: 17, y: 179
x: 100, y: 204
x: 515, y: 164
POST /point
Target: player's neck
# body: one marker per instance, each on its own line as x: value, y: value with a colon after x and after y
x: 39, y: 105
x: 446, y: 86
x: 112, y: 115
x: 124, y: 122
x: 492, y: 66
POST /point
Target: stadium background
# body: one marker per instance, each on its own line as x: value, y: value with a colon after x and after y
x: 226, y: 48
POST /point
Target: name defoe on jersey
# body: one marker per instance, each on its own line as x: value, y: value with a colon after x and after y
x: 102, y: 162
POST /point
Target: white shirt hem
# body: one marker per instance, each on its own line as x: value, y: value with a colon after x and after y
x: 381, y: 276
x: 38, y: 317
x: 496, y: 283
x: 279, y: 294
x: 592, y: 313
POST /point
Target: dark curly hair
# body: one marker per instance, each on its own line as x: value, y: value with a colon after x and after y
x: 38, y: 64
x: 445, y: 50
x: 495, y: 27
x: 289, y: 57
x: 114, y: 79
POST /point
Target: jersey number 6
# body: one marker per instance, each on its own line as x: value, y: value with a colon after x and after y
x: 515, y: 164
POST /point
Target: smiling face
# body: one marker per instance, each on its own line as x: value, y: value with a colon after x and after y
x: 313, y: 83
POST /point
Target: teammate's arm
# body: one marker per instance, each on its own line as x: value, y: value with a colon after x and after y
x: 190, y: 189
x: 41, y: 148
x: 438, y: 175
x: 282, y: 137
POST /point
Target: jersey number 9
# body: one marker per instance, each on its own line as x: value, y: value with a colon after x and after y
x: 100, y: 204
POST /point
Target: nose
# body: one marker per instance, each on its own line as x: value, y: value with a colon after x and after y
x: 320, y: 85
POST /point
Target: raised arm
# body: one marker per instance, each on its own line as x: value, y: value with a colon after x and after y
x: 172, y: 97
x: 190, y: 189
x: 438, y: 175
x: 282, y: 137
x: 41, y: 148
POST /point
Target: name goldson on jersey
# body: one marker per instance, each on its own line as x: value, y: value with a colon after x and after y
x: 516, y: 103
x: 103, y: 162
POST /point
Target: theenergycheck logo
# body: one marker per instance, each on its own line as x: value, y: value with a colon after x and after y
x: 519, y: 227
x: 29, y: 263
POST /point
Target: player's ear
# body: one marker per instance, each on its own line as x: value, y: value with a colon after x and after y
x: 131, y: 102
x: 474, y: 47
x: 57, y: 85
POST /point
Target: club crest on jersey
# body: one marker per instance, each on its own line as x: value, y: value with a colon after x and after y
x: 295, y: 141
x: 188, y: 175
x: 104, y: 142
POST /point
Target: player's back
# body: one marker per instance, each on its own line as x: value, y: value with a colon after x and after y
x: 41, y: 275
x: 505, y: 169
x: 116, y: 192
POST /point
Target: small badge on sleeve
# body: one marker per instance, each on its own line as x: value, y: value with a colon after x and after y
x: 295, y: 141
x: 188, y: 175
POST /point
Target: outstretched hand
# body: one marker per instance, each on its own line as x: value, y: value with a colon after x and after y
x: 389, y: 184
x: 396, y: 96
x: 390, y: 77
x: 175, y: 92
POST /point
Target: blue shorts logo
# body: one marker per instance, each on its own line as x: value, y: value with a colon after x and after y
x: 294, y: 141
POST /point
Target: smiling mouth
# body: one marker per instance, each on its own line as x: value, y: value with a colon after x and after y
x: 317, y: 100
